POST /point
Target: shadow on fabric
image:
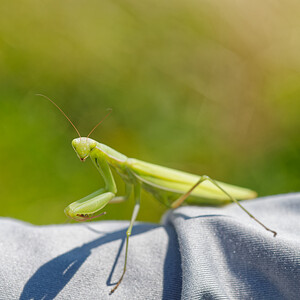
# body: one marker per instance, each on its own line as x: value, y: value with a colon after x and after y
x: 53, y: 276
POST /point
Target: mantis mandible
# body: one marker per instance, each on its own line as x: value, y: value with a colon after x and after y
x: 169, y: 186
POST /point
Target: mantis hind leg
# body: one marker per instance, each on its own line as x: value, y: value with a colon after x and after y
x: 203, y: 178
x: 137, y: 197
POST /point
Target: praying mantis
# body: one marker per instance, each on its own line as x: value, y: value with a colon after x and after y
x: 169, y: 186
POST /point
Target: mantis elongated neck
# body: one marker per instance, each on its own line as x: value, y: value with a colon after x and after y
x: 111, y: 153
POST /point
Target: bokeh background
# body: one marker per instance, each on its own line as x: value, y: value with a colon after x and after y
x: 209, y: 87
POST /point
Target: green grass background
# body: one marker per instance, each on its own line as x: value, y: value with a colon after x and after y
x: 209, y: 87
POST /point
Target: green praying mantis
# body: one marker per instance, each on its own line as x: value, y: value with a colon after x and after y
x: 169, y: 186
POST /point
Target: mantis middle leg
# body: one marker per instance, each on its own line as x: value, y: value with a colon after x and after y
x: 137, y: 197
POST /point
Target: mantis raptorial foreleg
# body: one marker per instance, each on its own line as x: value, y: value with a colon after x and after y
x: 203, y: 178
x: 128, y: 190
x: 83, y: 209
x: 137, y: 197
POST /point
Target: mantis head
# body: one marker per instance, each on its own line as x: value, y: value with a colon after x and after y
x: 83, y: 146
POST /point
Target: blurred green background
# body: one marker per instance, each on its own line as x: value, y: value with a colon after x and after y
x: 209, y: 87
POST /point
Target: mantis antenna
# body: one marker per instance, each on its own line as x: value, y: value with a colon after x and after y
x: 110, y: 111
x: 61, y: 112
